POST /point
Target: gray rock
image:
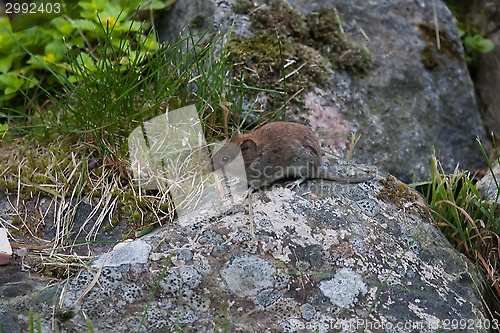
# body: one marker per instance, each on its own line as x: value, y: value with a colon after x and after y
x: 137, y: 252
x: 319, y: 261
x: 413, y: 96
x: 488, y: 186
x: 487, y: 83
x: 330, y: 256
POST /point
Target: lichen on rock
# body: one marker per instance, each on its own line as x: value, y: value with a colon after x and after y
x: 319, y: 257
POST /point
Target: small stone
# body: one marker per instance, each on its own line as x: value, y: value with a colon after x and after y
x: 5, y: 248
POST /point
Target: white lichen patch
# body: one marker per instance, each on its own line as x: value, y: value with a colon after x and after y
x: 247, y: 275
x: 282, y: 219
x: 345, y: 287
x: 310, y: 263
x: 431, y: 320
x: 136, y: 252
x: 434, y: 274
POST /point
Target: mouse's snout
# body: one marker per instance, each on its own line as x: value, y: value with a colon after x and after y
x: 223, y: 156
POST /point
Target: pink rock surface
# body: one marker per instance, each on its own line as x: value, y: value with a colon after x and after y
x: 5, y: 248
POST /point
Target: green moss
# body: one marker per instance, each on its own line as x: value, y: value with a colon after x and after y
x: 260, y: 62
x: 65, y: 315
x: 299, y: 47
x: 327, y: 36
x: 135, y: 217
x: 399, y: 193
x: 127, y: 195
x: 198, y: 22
x: 281, y: 18
x: 243, y: 7
x: 166, y: 207
x: 8, y: 185
x: 320, y: 30
x: 447, y: 46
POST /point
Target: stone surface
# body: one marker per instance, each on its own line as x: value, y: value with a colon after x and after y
x: 327, y: 255
x: 5, y: 249
x: 413, y: 97
x: 364, y: 255
x: 487, y: 82
x: 22, y: 288
x: 489, y: 184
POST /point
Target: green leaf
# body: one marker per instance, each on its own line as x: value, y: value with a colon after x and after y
x: 77, y: 41
x: 151, y: 43
x: 64, y: 26
x: 113, y: 11
x: 130, y: 3
x: 30, y: 82
x: 3, y: 128
x: 157, y: 4
x: 85, y: 25
x: 93, y: 5
x: 72, y: 79
x: 12, y: 82
x: 56, y: 47
x: 6, y: 42
x: 6, y: 63
x: 485, y: 45
x: 128, y: 26
x: 84, y: 60
x: 11, y: 90
x: 4, y: 23
x: 479, y: 43
x: 111, y: 17
x: 461, y: 32
x: 42, y: 61
x: 36, y: 62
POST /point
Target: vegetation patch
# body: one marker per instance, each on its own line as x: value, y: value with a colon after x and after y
x: 476, y: 21
x: 470, y: 222
x: 447, y: 46
x: 67, y: 171
x: 326, y: 35
x: 34, y: 62
x: 300, y: 53
x: 277, y: 65
x: 68, y: 146
x: 399, y: 193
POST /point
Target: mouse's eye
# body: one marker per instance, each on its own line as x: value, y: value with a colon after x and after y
x: 225, y: 159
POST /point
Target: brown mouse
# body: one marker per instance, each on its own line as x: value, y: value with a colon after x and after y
x: 277, y: 150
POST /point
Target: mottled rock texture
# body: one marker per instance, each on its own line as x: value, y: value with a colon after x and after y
x: 326, y: 255
x: 488, y: 185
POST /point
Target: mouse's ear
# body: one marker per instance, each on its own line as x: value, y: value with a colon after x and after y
x: 248, y: 145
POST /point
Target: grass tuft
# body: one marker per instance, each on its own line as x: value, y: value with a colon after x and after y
x: 73, y: 147
x: 470, y: 222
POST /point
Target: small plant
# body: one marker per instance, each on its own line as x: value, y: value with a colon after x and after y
x: 474, y: 44
x: 471, y: 223
x: 34, y: 61
x: 74, y: 140
x: 473, y: 18
x: 34, y: 322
